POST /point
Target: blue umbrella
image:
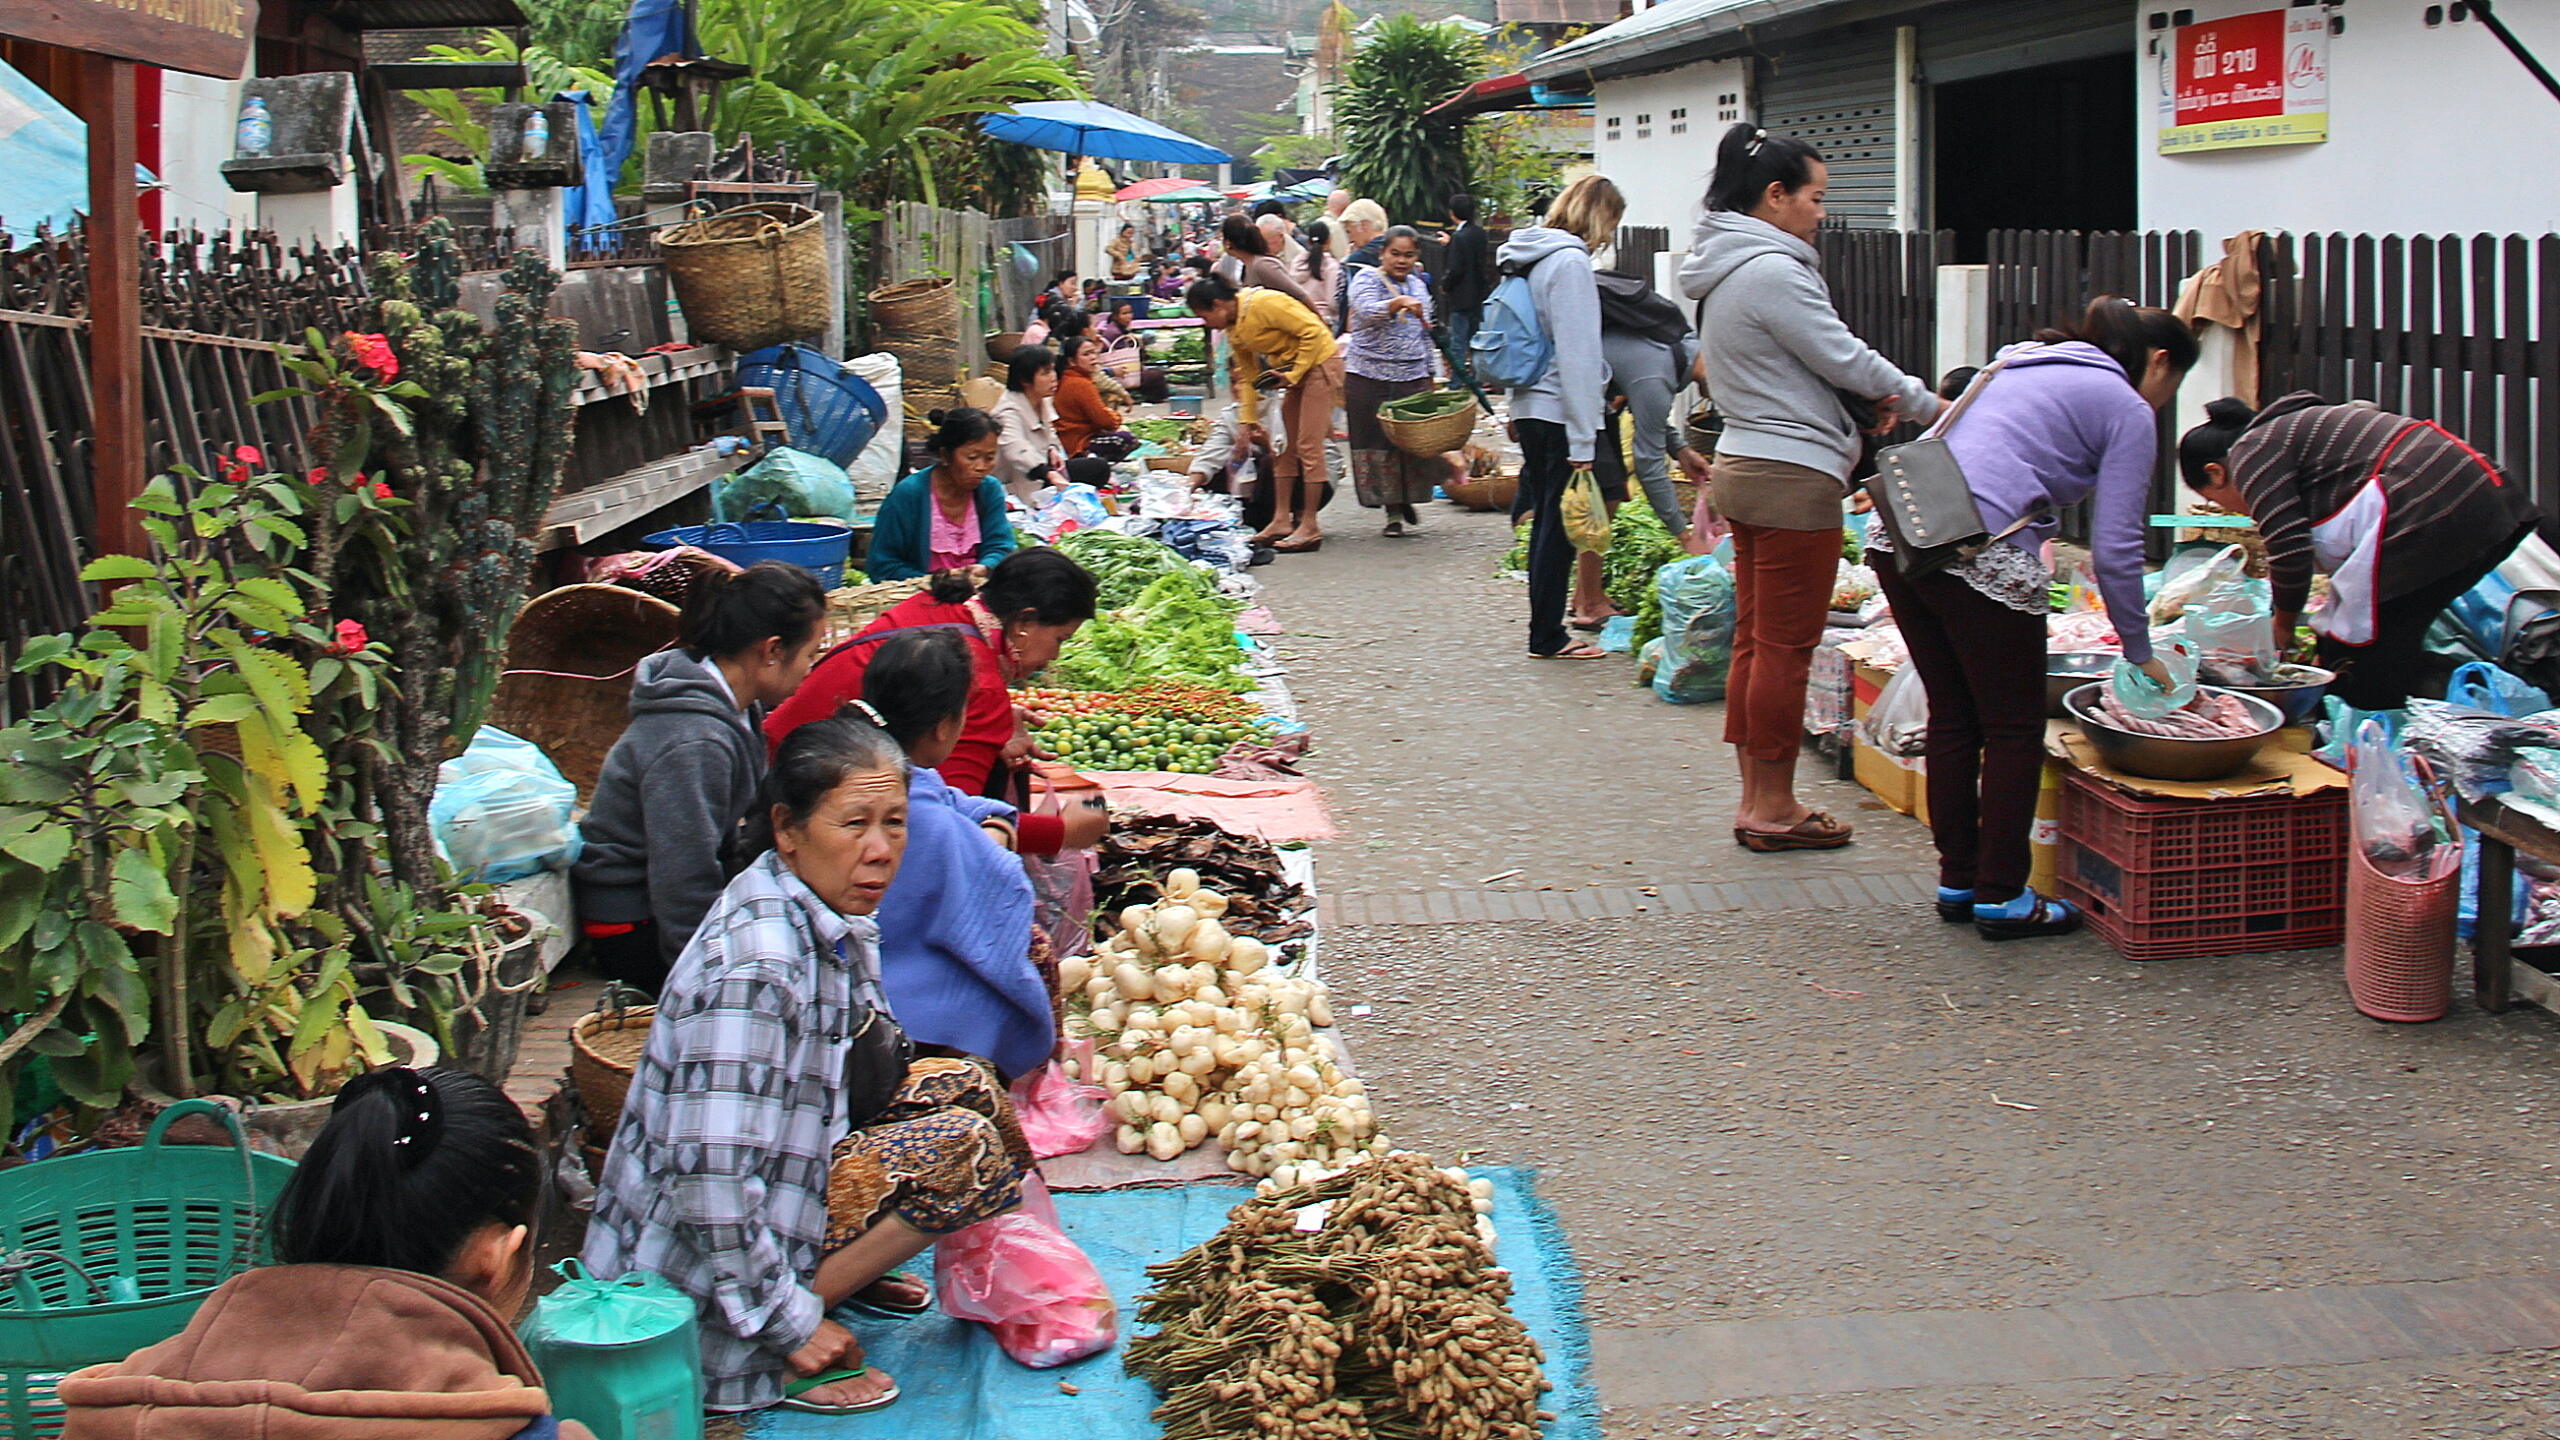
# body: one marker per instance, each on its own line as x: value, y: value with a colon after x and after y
x: 1089, y: 127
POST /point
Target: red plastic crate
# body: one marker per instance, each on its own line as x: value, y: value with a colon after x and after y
x: 2154, y: 835
x: 2168, y: 879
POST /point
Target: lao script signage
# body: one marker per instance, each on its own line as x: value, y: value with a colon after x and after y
x: 202, y: 37
x: 2260, y: 78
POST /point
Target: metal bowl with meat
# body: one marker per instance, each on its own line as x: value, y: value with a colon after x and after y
x: 2295, y: 691
x: 2171, y: 757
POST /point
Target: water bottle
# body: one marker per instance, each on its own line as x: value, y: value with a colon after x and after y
x: 537, y: 136
x: 257, y: 133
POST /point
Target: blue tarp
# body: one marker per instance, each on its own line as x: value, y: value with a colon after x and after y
x: 654, y: 30
x: 958, y: 1386
x: 44, y: 157
x: 1089, y: 127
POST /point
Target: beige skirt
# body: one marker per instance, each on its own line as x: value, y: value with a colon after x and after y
x: 1777, y: 494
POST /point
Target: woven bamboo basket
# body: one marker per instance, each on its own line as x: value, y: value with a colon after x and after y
x: 1001, y: 344
x: 1493, y: 492
x: 855, y: 606
x: 749, y: 277
x: 1167, y: 462
x: 1433, y: 435
x: 1123, y: 361
x: 567, y: 685
x: 604, y: 1048
x: 919, y: 322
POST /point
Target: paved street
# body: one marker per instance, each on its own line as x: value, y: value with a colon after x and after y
x: 1832, y: 1169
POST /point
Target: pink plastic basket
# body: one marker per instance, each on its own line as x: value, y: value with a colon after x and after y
x: 2400, y: 942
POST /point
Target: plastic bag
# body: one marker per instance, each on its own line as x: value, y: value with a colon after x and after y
x: 1059, y: 1116
x: 2398, y: 831
x: 1697, y: 630
x: 882, y: 463
x: 1020, y: 1276
x: 2481, y: 611
x: 2139, y: 694
x: 622, y: 1355
x: 2186, y: 579
x: 1706, y: 527
x: 1585, y: 513
x: 2338, y: 723
x: 2480, y: 685
x: 791, y: 482
x: 1898, y: 723
x: 502, y: 812
x: 2231, y: 632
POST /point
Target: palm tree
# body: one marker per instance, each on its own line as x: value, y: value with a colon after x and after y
x: 1392, y: 152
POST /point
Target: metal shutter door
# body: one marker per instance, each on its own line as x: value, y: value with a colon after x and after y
x: 1836, y: 91
x: 1974, y: 39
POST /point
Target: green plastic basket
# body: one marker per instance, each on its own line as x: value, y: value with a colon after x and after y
x: 105, y: 1253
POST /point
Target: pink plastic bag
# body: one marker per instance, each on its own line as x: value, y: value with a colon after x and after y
x: 1021, y: 1276
x: 1059, y: 1116
x: 1706, y: 528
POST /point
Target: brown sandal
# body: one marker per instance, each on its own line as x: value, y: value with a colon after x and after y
x: 1816, y: 831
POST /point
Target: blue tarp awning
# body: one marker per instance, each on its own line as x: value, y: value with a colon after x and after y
x: 44, y: 158
x: 1089, y: 127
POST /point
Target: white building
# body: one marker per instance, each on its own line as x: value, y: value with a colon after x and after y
x: 1975, y: 115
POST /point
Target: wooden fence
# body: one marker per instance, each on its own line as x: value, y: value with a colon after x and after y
x: 2461, y: 330
x: 2047, y: 277
x: 1049, y: 241
x: 920, y: 242
x: 1885, y: 284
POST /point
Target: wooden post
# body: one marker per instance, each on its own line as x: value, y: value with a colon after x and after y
x: 115, y: 303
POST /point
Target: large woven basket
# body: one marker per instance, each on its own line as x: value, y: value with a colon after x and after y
x: 604, y: 1048
x: 750, y: 277
x: 567, y: 685
x: 919, y: 322
x: 1432, y: 435
x: 1494, y: 492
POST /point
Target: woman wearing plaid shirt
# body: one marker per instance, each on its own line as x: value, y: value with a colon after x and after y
x: 735, y: 1171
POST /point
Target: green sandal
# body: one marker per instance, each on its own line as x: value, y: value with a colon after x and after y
x: 792, y: 1392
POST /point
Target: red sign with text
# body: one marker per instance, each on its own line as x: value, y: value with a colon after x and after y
x: 2231, y: 69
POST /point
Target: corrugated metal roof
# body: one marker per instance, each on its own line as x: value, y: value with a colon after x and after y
x: 1626, y: 47
x: 1556, y: 12
x: 419, y: 14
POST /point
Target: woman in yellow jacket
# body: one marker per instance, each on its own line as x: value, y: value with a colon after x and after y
x: 1279, y: 344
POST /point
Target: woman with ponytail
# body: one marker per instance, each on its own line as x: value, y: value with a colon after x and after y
x: 1013, y: 625
x: 779, y: 1153
x: 1784, y: 372
x: 405, y: 1250
x: 661, y: 829
x: 2400, y: 514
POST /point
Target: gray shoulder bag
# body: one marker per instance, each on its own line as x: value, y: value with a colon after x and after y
x: 1927, y: 504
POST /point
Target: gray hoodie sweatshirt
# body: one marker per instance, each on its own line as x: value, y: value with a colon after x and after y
x: 1776, y: 348
x: 1569, y: 307
x: 673, y: 790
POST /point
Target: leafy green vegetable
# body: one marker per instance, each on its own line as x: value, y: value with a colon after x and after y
x: 1639, y: 544
x: 1123, y: 565
x: 1163, y: 430
x: 1178, y: 627
x: 1515, y: 561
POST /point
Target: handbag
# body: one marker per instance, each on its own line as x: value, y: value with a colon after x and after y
x: 1926, y: 502
x: 875, y: 1065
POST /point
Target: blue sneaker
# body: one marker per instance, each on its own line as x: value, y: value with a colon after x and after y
x: 1955, y: 906
x: 2025, y: 918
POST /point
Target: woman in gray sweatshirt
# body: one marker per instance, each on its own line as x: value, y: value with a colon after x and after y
x: 686, y: 770
x: 1557, y: 418
x: 1782, y: 368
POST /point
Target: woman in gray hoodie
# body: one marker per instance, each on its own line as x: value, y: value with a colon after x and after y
x: 1557, y: 419
x: 1783, y: 369
x: 686, y: 770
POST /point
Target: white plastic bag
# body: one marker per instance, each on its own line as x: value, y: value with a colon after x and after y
x: 502, y: 811
x: 2398, y: 830
x: 2184, y: 581
x: 2231, y: 630
x: 2136, y: 693
x: 1898, y: 723
x: 882, y: 463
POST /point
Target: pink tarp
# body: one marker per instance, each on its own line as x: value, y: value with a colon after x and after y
x: 1280, y: 811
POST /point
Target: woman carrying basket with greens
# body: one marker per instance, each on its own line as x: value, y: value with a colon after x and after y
x: 1387, y: 355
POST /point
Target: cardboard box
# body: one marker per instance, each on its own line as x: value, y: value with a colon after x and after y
x: 1901, y: 783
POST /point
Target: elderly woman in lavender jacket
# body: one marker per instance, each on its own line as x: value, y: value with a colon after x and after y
x: 2071, y: 417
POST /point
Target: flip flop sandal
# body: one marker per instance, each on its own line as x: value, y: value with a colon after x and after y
x: 792, y: 1393
x: 1299, y: 547
x: 1394, y: 530
x: 1572, y: 652
x: 899, y: 1310
x: 1826, y: 834
x: 2048, y: 916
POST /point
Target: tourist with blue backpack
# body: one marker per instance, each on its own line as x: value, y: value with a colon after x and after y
x: 1795, y: 387
x: 1539, y: 335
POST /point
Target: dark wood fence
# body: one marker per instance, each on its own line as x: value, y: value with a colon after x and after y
x: 2047, y: 277
x: 1885, y: 285
x: 2461, y: 330
x: 1635, y: 248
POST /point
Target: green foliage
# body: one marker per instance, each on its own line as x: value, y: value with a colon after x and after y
x: 1294, y: 151
x: 1512, y: 156
x: 458, y: 127
x: 1639, y: 544
x: 1393, y: 152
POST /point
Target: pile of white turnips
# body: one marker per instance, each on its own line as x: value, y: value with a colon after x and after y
x: 1198, y: 1034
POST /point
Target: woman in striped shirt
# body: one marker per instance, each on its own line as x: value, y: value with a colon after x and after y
x: 2401, y: 514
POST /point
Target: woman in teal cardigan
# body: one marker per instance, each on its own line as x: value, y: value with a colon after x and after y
x: 950, y: 517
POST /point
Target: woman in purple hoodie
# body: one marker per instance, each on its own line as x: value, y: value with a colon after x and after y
x: 2072, y: 416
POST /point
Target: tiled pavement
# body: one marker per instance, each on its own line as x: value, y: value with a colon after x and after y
x: 1617, y: 902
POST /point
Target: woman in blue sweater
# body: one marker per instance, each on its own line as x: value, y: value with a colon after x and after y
x: 950, y: 517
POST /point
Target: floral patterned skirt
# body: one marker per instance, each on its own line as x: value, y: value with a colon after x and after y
x: 1383, y: 474
x: 945, y: 1155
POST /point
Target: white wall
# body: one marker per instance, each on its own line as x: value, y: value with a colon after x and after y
x: 1664, y: 172
x: 2431, y: 132
x: 199, y: 117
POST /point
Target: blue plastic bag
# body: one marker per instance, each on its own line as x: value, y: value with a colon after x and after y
x: 502, y: 811
x: 2139, y: 694
x: 2480, y: 685
x: 1697, y: 630
x: 2481, y: 611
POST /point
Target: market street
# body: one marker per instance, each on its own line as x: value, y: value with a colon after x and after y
x: 1831, y: 1169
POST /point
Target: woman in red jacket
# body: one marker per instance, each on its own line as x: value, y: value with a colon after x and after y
x: 1032, y: 602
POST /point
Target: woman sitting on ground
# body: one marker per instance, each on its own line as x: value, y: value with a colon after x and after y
x: 959, y: 956
x: 1083, y: 418
x: 1028, y: 454
x: 661, y: 828
x: 949, y: 516
x: 404, y: 1250
x: 737, y: 1172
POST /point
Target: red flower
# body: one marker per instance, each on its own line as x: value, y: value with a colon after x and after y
x: 319, y: 474
x: 351, y: 638
x: 373, y: 352
x: 381, y: 491
x: 249, y: 454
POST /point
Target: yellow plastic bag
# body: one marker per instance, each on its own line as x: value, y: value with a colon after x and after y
x: 1586, y: 515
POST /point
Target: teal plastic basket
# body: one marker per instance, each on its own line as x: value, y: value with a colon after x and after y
x: 104, y: 1253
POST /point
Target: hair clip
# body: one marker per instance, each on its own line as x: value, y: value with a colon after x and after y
x: 1759, y: 138
x: 415, y: 1122
x: 868, y: 713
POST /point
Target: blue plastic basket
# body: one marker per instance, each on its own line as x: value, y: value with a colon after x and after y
x: 817, y: 548
x: 831, y: 411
